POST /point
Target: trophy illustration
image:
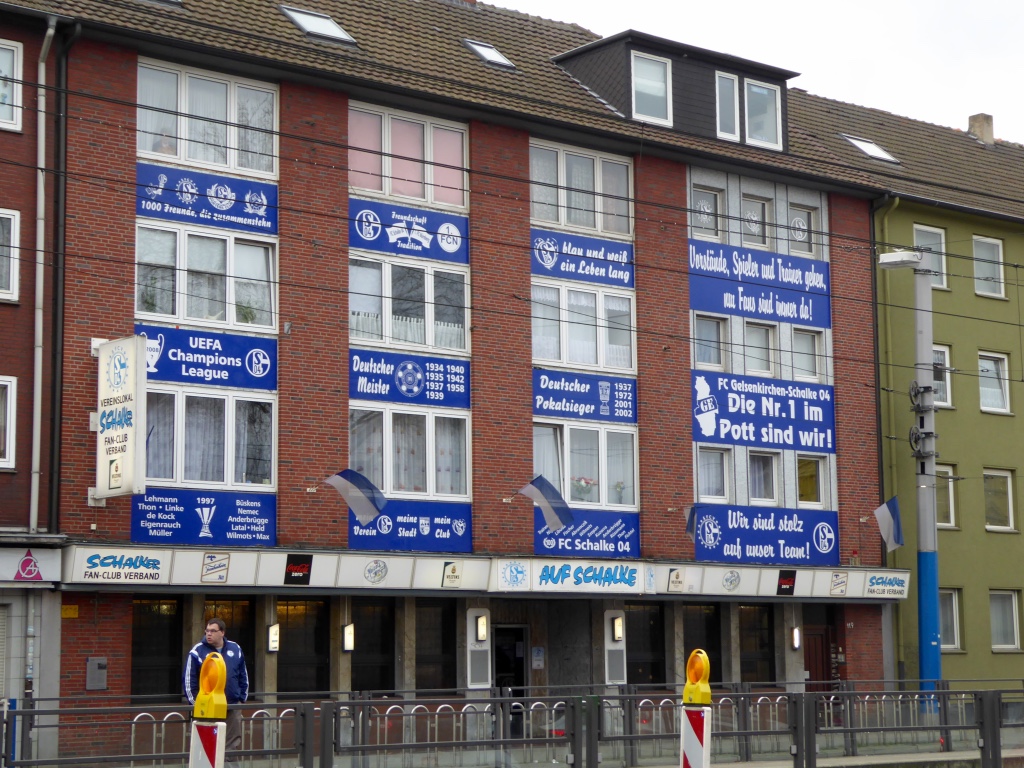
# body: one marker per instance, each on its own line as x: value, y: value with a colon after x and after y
x: 205, y: 515
x: 154, y: 348
x: 604, y: 389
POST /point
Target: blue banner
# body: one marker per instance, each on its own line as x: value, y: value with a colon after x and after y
x: 212, y: 200
x: 592, y: 534
x: 762, y: 413
x: 389, y: 228
x: 759, y: 284
x: 584, y: 396
x: 185, y: 356
x: 396, y: 377
x: 575, y: 257
x: 408, y: 525
x: 765, y: 535
x: 171, y: 516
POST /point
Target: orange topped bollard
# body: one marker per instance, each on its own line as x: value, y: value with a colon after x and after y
x: 209, y: 715
x: 695, y: 734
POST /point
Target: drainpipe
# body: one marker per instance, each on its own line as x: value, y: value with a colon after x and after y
x: 37, y: 370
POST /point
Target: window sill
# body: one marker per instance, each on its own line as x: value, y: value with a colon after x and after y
x: 992, y: 412
x: 12, y: 301
x: 13, y: 128
x: 1007, y: 650
x: 994, y: 296
x: 1000, y: 529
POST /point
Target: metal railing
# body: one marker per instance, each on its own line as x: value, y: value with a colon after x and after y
x: 587, y: 727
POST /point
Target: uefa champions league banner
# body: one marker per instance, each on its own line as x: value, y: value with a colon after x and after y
x: 762, y: 413
x: 173, y: 516
x: 587, y: 259
x: 759, y: 284
x: 185, y: 356
x: 207, y: 199
x: 409, y: 525
x: 591, y: 534
x: 764, y: 535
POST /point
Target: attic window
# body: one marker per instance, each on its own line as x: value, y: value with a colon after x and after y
x: 317, y: 25
x: 869, y: 148
x: 489, y: 53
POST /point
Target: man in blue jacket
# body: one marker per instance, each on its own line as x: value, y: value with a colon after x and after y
x: 236, y: 688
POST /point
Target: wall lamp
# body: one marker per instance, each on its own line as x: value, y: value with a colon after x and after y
x: 348, y: 637
x: 481, y: 628
x: 274, y: 638
x: 794, y: 638
x: 618, y: 630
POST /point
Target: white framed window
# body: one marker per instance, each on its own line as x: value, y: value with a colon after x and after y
x: 998, y: 486
x: 8, y: 421
x: 945, y: 498
x: 574, y: 188
x: 205, y: 276
x: 713, y: 475
x: 652, y: 89
x: 206, y: 118
x: 807, y: 358
x: 932, y: 241
x: 756, y: 214
x: 759, y: 349
x: 762, y: 478
x: 211, y: 438
x: 411, y: 452
x: 591, y: 465
x: 811, y: 481
x: 401, y: 154
x: 942, y: 383
x: 993, y: 383
x: 727, y: 91
x: 1004, y: 614
x: 710, y: 342
x: 803, y: 231
x: 586, y: 326
x: 399, y: 302
x: 10, y: 254
x: 949, y: 619
x: 11, y: 58
x: 764, y: 114
x: 988, y: 267
x: 704, y: 221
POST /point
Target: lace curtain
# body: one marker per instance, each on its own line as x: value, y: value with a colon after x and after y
x: 450, y: 455
x: 204, y: 439
x: 207, y: 137
x: 547, y: 454
x: 207, y: 277
x: 366, y: 444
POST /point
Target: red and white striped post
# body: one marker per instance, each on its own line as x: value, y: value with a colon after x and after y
x: 209, y: 716
x: 695, y: 733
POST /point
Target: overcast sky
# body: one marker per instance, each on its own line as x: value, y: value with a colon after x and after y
x: 934, y: 60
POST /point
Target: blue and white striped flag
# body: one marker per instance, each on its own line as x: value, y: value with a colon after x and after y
x: 362, y: 496
x: 552, y: 505
x: 888, y: 517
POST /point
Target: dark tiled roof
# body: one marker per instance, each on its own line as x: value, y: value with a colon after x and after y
x: 415, y: 46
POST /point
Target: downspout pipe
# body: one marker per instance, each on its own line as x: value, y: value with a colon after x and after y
x: 37, y: 369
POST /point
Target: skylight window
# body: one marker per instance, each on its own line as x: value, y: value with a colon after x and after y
x: 869, y: 148
x: 489, y: 53
x: 317, y: 25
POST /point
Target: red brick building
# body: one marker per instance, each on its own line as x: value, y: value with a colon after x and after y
x: 495, y: 249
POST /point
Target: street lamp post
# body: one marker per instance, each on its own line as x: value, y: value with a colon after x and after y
x: 923, y: 443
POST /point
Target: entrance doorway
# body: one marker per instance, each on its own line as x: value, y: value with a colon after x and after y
x: 509, y: 653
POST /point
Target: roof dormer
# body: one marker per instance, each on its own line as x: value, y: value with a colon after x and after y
x: 687, y: 89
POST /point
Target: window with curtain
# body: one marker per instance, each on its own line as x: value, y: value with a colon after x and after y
x: 580, y: 189
x: 414, y: 304
x: 998, y: 489
x: 582, y: 327
x: 210, y: 119
x: 8, y: 401
x: 805, y: 355
x: 9, y: 261
x: 422, y: 453
x: 712, y: 471
x: 949, y: 619
x: 588, y: 465
x: 652, y: 89
x: 758, y: 349
x: 945, y: 505
x: 992, y: 382
x: 1003, y: 612
x: 205, y: 277
x: 406, y: 155
x: 709, y: 338
x: 761, y: 477
x: 988, y: 267
x: 10, y: 85
x: 206, y: 439
x: 942, y: 378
